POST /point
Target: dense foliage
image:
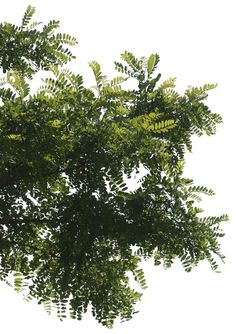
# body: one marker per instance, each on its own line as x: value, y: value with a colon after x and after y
x: 71, y: 231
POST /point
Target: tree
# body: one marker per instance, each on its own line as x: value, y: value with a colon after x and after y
x: 71, y: 231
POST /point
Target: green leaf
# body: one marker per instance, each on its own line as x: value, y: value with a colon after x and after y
x: 100, y: 79
x: 50, y: 27
x: 152, y: 63
x: 27, y: 16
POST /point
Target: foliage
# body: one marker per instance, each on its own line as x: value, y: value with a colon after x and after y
x: 71, y: 231
x: 26, y: 50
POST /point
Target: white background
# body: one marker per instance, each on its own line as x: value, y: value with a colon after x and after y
x: 196, y: 43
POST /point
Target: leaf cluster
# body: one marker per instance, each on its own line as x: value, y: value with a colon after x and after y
x: 71, y: 231
x: 27, y: 49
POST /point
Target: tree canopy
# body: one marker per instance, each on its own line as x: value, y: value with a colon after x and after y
x: 71, y: 231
